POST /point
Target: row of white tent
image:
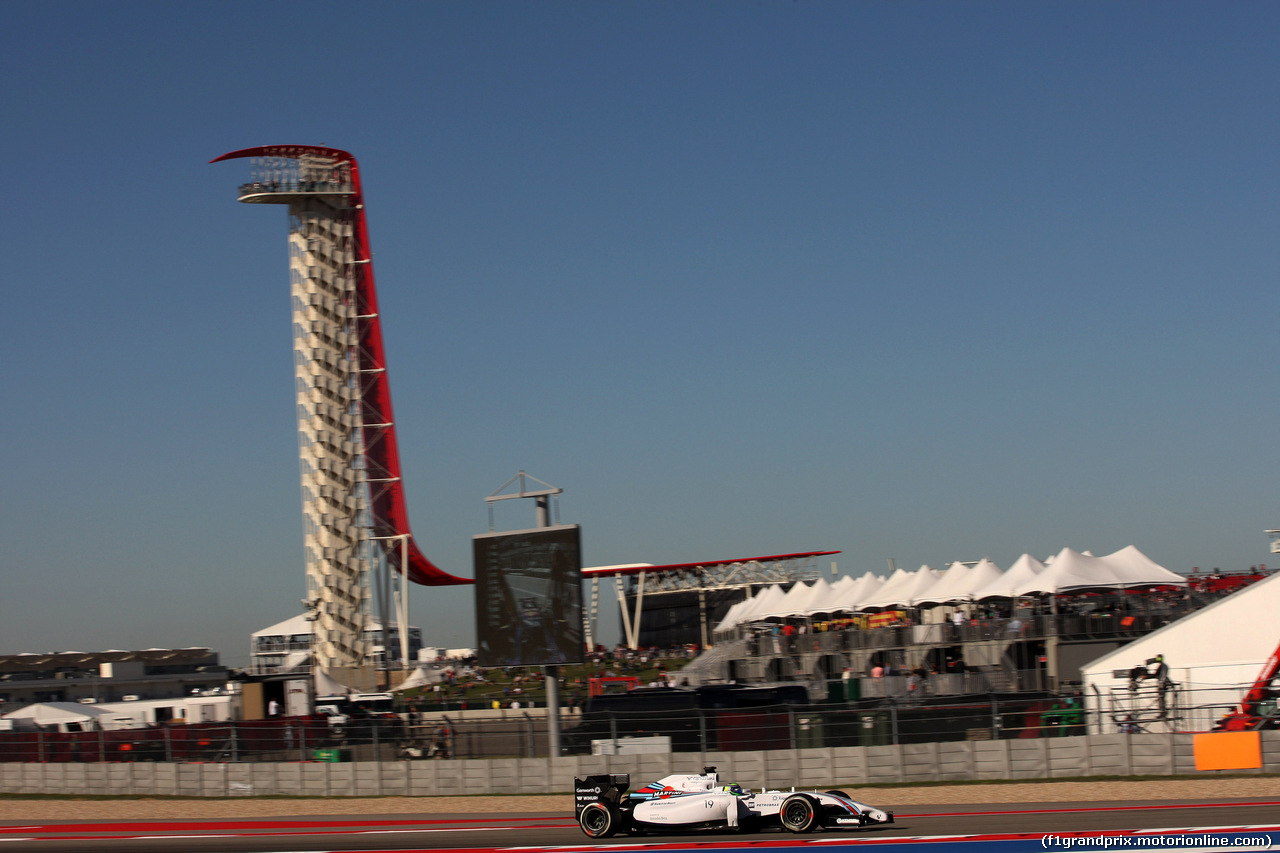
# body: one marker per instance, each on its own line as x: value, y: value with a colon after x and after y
x: 1068, y: 571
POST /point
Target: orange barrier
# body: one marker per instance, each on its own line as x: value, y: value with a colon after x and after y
x: 1228, y: 751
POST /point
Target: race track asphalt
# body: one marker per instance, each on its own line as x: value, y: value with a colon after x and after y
x: 499, y: 828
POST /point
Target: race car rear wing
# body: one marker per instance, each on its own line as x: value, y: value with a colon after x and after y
x: 608, y: 788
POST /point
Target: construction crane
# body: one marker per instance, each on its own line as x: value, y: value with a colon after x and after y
x: 1258, y: 708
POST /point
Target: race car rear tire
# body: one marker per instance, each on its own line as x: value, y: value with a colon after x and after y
x: 599, y: 820
x: 799, y: 813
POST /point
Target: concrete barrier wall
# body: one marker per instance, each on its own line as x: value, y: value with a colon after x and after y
x: 1042, y: 758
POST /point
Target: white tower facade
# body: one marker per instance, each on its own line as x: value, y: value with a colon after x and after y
x: 354, y: 516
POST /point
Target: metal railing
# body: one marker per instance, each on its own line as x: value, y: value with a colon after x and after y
x: 1093, y: 625
x: 257, y: 187
x: 887, y: 713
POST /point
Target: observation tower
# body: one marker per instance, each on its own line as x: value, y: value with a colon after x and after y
x: 357, y: 542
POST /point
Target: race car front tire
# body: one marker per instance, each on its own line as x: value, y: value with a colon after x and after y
x: 599, y: 820
x: 799, y: 813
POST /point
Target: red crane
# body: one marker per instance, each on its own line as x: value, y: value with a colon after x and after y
x: 1249, y: 716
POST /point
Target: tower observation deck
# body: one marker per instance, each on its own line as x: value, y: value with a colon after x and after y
x: 355, y: 522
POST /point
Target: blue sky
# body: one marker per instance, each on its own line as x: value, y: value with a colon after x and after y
x: 921, y: 281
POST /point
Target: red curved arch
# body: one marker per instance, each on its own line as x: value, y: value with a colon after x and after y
x: 382, y: 454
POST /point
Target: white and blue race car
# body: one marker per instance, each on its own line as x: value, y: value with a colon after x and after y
x: 702, y: 801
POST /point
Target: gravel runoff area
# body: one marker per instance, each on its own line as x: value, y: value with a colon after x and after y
x: 24, y: 808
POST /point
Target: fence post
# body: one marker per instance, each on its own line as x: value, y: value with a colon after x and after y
x: 168, y: 745
x: 893, y: 721
x: 702, y: 734
x: 235, y: 742
x: 302, y: 742
x: 996, y: 723
x: 613, y: 731
x: 791, y: 727
x: 102, y: 746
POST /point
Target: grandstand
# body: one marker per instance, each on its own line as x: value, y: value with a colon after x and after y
x: 690, y: 597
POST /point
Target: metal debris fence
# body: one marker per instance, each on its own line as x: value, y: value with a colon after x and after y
x: 882, y: 722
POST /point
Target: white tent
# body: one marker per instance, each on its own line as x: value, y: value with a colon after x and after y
x: 952, y: 585
x: 762, y: 602
x: 417, y: 678
x: 1137, y: 569
x: 1127, y: 568
x: 733, y: 614
x: 821, y: 599
x: 792, y: 604
x: 925, y: 580
x: 1214, y: 654
x: 303, y: 628
x: 985, y: 572
x: 327, y: 686
x: 41, y: 714
x: 1071, y: 570
x: 906, y: 593
x: 841, y: 587
x: 852, y: 596
x: 1023, y: 571
x: 886, y: 594
x: 294, y: 626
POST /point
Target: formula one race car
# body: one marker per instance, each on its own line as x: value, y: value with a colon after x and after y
x: 701, y: 801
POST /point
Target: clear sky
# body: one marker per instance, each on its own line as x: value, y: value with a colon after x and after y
x: 922, y: 281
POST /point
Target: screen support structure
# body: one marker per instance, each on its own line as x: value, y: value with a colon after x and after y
x: 392, y: 593
x: 542, y: 503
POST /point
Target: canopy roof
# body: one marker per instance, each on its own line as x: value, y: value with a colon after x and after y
x: 1127, y: 568
x: 792, y: 604
x: 326, y: 685
x: 821, y: 599
x: 761, y: 603
x: 888, y: 592
x: 1066, y: 571
x: 906, y: 591
x: 1007, y: 585
x: 850, y: 596
x: 53, y: 713
x: 731, y: 616
x: 300, y: 625
x: 417, y: 678
x: 1136, y: 568
x: 952, y: 585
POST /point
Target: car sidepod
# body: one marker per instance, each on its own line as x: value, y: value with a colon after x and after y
x: 688, y: 810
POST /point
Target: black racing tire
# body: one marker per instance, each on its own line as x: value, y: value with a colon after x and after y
x: 799, y: 813
x: 599, y: 819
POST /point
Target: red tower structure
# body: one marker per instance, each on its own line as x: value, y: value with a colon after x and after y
x: 355, y: 517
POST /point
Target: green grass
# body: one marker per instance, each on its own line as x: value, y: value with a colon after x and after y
x: 500, y: 683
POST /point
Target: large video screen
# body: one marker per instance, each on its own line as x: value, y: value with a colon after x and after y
x: 529, y: 597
